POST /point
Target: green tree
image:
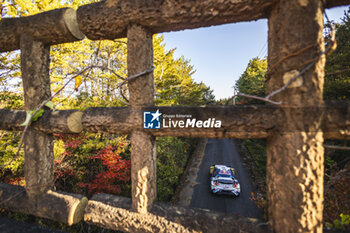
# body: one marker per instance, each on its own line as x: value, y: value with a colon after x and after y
x: 173, y: 79
x: 252, y: 81
x: 337, y: 79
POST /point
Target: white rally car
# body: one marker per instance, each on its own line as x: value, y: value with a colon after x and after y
x: 222, y: 181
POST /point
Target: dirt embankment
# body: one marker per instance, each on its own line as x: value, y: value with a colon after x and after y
x: 184, y: 191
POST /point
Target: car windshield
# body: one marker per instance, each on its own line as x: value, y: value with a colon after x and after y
x: 225, y: 181
x: 224, y: 172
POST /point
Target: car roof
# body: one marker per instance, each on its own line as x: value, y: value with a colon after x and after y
x: 222, y: 166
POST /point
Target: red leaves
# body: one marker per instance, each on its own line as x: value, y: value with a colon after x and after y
x: 71, y: 141
x: 16, y: 181
x: 63, y: 173
x: 118, y: 170
x: 107, y: 163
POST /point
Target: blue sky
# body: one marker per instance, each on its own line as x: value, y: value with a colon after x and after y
x: 220, y: 54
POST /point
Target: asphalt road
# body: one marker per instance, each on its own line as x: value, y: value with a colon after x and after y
x: 224, y: 151
x: 14, y: 226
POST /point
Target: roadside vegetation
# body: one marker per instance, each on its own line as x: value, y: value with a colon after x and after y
x: 337, y: 162
x: 88, y: 163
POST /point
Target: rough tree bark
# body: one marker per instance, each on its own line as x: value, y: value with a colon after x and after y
x: 295, y: 155
x: 115, y: 213
x: 143, y: 150
x: 110, y: 19
x: 58, y: 206
x: 50, y: 27
x: 38, y: 147
x: 162, y: 16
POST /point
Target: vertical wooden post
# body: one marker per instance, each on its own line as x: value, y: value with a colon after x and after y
x: 143, y: 152
x: 295, y: 160
x: 38, y: 147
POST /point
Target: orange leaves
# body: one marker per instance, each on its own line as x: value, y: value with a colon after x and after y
x: 94, y: 163
x: 16, y: 181
x: 117, y: 172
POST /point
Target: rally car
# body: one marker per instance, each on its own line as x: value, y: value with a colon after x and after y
x: 222, y: 181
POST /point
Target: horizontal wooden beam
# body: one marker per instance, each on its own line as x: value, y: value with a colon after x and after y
x: 50, y: 27
x: 240, y: 121
x: 57, y: 206
x: 336, y: 120
x: 115, y: 213
x: 64, y: 121
x: 110, y: 19
x: 334, y: 3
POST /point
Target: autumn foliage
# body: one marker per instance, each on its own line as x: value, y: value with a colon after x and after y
x: 118, y: 170
x: 94, y: 163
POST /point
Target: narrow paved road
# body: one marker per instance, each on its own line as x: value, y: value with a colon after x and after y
x: 15, y: 226
x: 223, y: 151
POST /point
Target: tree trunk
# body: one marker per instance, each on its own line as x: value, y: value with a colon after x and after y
x: 295, y: 155
x: 38, y: 147
x: 143, y: 150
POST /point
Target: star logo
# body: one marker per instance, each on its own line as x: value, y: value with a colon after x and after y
x: 156, y: 115
x: 151, y: 120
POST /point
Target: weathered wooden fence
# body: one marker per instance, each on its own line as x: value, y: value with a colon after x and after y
x: 294, y: 130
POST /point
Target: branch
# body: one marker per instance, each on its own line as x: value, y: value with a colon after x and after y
x: 293, y: 79
x: 108, y: 69
x: 332, y: 147
x: 37, y: 110
x: 139, y: 74
x: 123, y: 96
x: 273, y: 67
x: 337, y: 72
x: 258, y: 98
